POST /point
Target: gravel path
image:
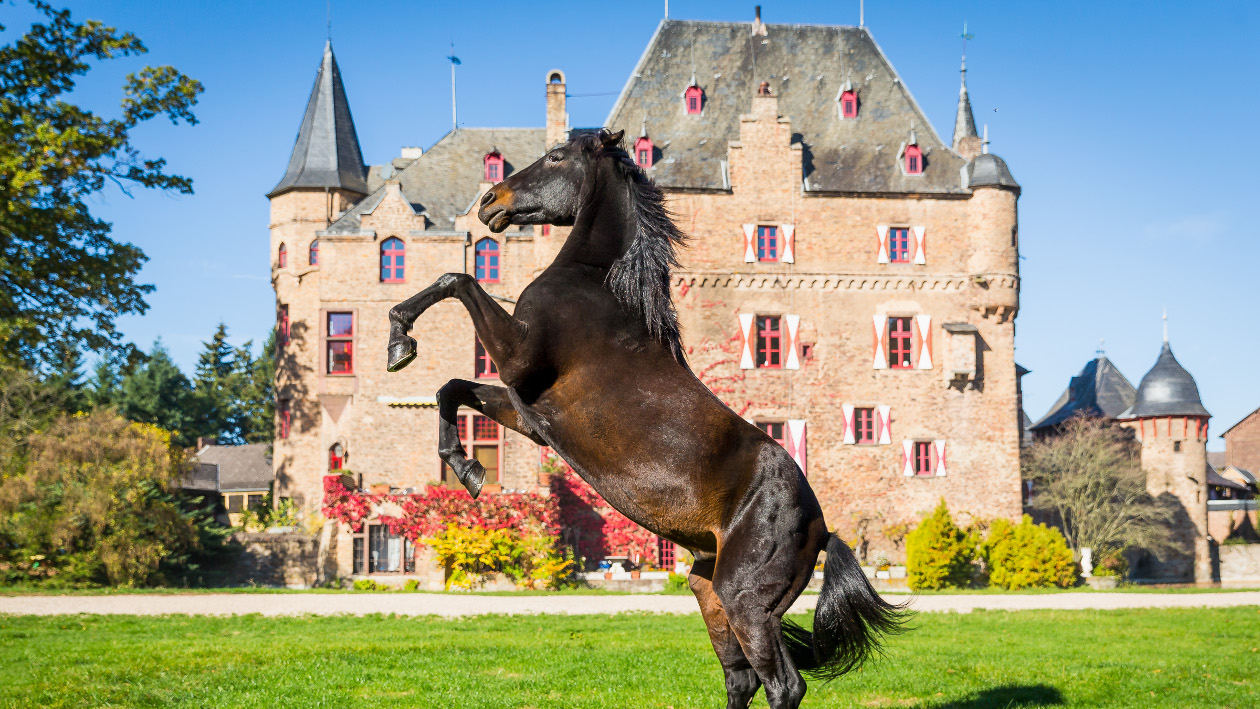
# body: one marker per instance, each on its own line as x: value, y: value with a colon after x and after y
x: 461, y: 605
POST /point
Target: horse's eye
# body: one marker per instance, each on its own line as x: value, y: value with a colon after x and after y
x: 554, y: 157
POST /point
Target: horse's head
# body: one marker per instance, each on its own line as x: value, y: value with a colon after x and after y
x: 550, y: 191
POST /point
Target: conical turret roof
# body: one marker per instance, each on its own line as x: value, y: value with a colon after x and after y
x: 965, y: 121
x: 1168, y: 390
x: 326, y: 153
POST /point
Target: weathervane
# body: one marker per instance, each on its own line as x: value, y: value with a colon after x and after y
x: 1165, y: 324
x: 454, y: 63
x: 965, y: 36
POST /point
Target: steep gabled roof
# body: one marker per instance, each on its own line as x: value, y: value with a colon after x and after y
x: 806, y: 66
x: 326, y: 153
x: 444, y: 180
x: 1239, y: 422
x: 1099, y: 390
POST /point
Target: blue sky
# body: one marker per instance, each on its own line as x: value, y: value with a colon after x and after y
x: 1126, y: 123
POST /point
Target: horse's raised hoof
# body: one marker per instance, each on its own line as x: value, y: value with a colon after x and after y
x: 473, y: 476
x: 401, y: 352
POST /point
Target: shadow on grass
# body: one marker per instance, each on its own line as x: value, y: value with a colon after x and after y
x: 1017, y: 695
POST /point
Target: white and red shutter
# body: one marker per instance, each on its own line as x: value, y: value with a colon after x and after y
x: 789, y: 243
x: 750, y: 251
x: 746, y: 321
x: 793, y: 358
x: 885, y: 424
x: 882, y: 229
x: 923, y: 344
x: 880, y: 324
x: 907, y: 458
x: 920, y: 248
x: 849, y: 436
x: 796, y: 443
x: 938, y: 451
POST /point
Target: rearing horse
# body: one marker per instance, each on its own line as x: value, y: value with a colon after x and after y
x: 594, y: 368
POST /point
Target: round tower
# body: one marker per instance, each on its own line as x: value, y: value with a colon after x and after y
x: 994, y: 228
x: 1172, y: 425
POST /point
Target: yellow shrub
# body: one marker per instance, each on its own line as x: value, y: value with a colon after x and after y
x: 1027, y: 555
x: 938, y: 553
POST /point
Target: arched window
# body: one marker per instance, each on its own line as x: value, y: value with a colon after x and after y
x: 282, y: 257
x: 392, y: 255
x: 494, y: 166
x: 914, y: 160
x: 313, y: 257
x: 693, y: 99
x: 848, y: 104
x: 487, y: 256
x: 643, y: 149
x: 336, y: 457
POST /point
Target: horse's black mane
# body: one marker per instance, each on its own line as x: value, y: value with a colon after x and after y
x: 640, y: 279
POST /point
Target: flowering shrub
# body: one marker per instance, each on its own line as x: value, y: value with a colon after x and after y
x: 591, y: 525
x: 1027, y: 555
x: 938, y: 553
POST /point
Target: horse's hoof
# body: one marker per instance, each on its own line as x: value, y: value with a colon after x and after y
x: 401, y: 352
x: 473, y: 477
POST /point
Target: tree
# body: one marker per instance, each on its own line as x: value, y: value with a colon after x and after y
x: 217, y: 383
x: 158, y: 393
x: 938, y: 553
x: 63, y: 279
x: 1089, y: 478
x: 1027, y: 555
x: 257, y: 396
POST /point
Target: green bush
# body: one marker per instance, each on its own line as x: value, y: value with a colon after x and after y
x: 938, y: 553
x: 1027, y: 555
x: 369, y: 585
x: 677, y: 582
x: 411, y: 585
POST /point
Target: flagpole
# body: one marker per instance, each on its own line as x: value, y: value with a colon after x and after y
x: 454, y: 63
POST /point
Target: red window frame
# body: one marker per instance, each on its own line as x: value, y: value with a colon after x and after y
x: 336, y: 457
x: 284, y: 419
x: 339, y: 347
x: 487, y: 438
x: 769, y: 342
x: 486, y: 260
x: 393, y: 260
x: 282, y: 257
x: 776, y: 430
x: 899, y: 244
x: 546, y: 230
x: 483, y: 364
x: 362, y: 544
x: 900, y: 343
x: 848, y: 104
x: 914, y: 160
x: 864, y: 425
x: 643, y: 150
x: 282, y: 324
x: 767, y: 243
x: 693, y: 99
x: 494, y: 167
x: 312, y: 255
x: 668, y: 553
x: 922, y: 460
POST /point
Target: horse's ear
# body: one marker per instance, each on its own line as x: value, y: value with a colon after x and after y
x: 607, y: 137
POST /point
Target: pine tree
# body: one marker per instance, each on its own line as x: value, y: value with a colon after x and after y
x: 257, y: 397
x: 104, y: 388
x: 217, y: 384
x: 66, y: 377
x: 158, y: 393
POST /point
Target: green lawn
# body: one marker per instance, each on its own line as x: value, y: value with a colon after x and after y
x: 1137, y: 658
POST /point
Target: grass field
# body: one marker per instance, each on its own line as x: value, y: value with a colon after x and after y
x: 1133, y: 658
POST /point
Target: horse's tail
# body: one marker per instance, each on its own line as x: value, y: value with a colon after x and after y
x: 849, y: 622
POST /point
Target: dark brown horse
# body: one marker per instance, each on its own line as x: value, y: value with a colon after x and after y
x: 594, y: 368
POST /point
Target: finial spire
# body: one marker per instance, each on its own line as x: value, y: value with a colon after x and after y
x: 965, y: 121
x: 1165, y: 325
x: 1101, y: 351
x: 454, y: 63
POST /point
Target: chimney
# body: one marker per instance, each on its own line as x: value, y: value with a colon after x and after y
x: 203, y: 441
x: 557, y: 118
x: 758, y: 27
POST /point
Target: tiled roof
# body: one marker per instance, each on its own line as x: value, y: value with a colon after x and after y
x: 1099, y: 390
x: 443, y: 182
x: 326, y: 152
x: 806, y: 66
x: 1168, y: 390
x: 245, y: 467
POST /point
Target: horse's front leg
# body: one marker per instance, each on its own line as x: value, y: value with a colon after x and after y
x: 498, y: 328
x: 493, y: 401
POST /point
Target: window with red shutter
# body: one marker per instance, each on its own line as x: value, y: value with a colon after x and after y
x: 668, y: 554
x: 864, y: 420
x: 922, y: 458
x: 899, y: 245
x: 775, y: 430
x: 769, y: 342
x: 900, y: 342
x: 483, y: 365
x: 767, y: 243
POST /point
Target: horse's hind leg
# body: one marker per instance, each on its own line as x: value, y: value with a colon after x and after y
x: 742, y: 682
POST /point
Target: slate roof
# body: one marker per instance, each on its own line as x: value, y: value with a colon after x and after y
x: 1099, y: 390
x: 806, y: 65
x: 443, y: 181
x: 1167, y: 390
x: 204, y: 476
x: 990, y: 170
x: 1214, y: 478
x: 965, y: 120
x: 245, y: 467
x: 326, y: 152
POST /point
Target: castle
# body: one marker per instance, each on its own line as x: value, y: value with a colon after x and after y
x: 851, y: 283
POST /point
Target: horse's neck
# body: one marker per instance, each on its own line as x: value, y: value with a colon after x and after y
x: 603, y: 229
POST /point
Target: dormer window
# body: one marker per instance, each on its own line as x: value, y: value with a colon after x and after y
x: 848, y: 104
x: 914, y: 160
x: 643, y: 150
x: 693, y: 99
x: 494, y: 166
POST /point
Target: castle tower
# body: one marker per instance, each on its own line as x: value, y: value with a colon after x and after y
x: 1172, y: 425
x: 325, y: 176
